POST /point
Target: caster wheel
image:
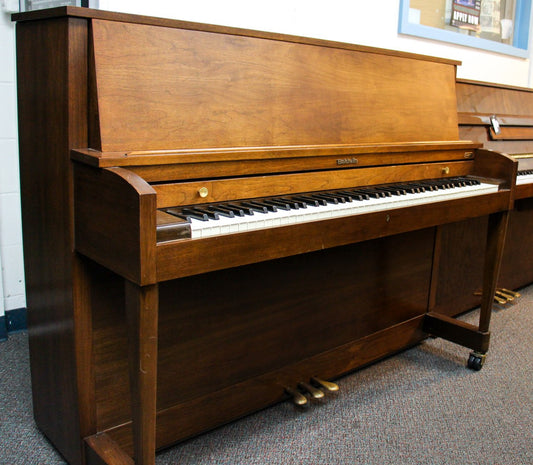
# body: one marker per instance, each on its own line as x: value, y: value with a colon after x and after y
x: 475, y: 361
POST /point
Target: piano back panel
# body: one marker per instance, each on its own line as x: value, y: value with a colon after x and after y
x: 512, y: 105
x: 485, y: 98
x: 227, y: 329
x: 481, y: 134
x: 180, y: 88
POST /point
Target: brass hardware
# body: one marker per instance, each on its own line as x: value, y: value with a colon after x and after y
x: 503, y: 295
x: 297, y: 397
x: 446, y: 170
x: 469, y: 154
x: 513, y: 294
x: 315, y: 392
x: 328, y: 385
x: 203, y: 192
x: 497, y: 298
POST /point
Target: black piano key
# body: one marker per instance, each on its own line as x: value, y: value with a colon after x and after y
x: 295, y: 205
x: 277, y: 203
x: 311, y: 201
x: 229, y: 210
x: 211, y: 214
x: 175, y: 212
x: 392, y: 190
x: 221, y: 211
x: 255, y: 207
x: 241, y: 208
x: 356, y: 195
x: 344, y: 196
x: 387, y: 191
x: 334, y: 196
x: 371, y: 193
x: 429, y: 186
x: 326, y: 198
x: 261, y: 203
x: 187, y: 213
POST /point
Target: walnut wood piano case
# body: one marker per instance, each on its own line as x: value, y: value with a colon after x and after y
x: 143, y: 339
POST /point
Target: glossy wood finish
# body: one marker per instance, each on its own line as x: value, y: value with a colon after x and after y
x: 220, y: 333
x: 102, y: 450
x: 52, y: 111
x: 142, y: 309
x: 163, y: 341
x: 218, y: 93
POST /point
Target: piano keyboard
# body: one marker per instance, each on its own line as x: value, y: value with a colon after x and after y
x: 248, y: 215
x: 524, y: 177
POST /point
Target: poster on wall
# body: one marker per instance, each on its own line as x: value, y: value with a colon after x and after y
x: 466, y: 13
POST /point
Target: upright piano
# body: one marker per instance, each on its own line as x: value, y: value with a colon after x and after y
x: 501, y: 118
x: 218, y: 219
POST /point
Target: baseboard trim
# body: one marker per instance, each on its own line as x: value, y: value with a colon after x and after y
x: 3, y: 328
x: 12, y: 322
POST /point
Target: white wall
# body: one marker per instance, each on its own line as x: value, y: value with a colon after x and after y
x: 353, y: 21
x: 11, y: 257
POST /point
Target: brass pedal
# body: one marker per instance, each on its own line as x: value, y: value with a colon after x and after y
x: 497, y: 298
x: 297, y: 397
x: 328, y: 385
x: 503, y: 295
x: 510, y: 293
x: 315, y: 392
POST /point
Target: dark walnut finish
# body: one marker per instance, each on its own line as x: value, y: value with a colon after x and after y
x: 144, y: 342
x: 512, y: 107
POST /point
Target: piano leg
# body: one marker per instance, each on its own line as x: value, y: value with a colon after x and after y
x: 465, y: 334
x: 493, y: 257
x: 142, y: 314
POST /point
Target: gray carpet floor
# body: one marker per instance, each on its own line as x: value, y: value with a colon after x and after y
x: 421, y: 406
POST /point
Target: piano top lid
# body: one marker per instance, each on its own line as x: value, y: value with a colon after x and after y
x: 89, y: 13
x: 166, y: 85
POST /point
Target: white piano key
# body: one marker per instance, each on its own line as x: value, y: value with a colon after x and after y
x: 224, y: 225
x: 524, y: 179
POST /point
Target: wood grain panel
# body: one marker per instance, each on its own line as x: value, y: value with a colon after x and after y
x: 481, y: 134
x: 493, y: 99
x: 218, y: 330
x: 186, y: 193
x: 184, y: 89
x: 125, y: 204
x: 52, y: 118
x: 252, y: 395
